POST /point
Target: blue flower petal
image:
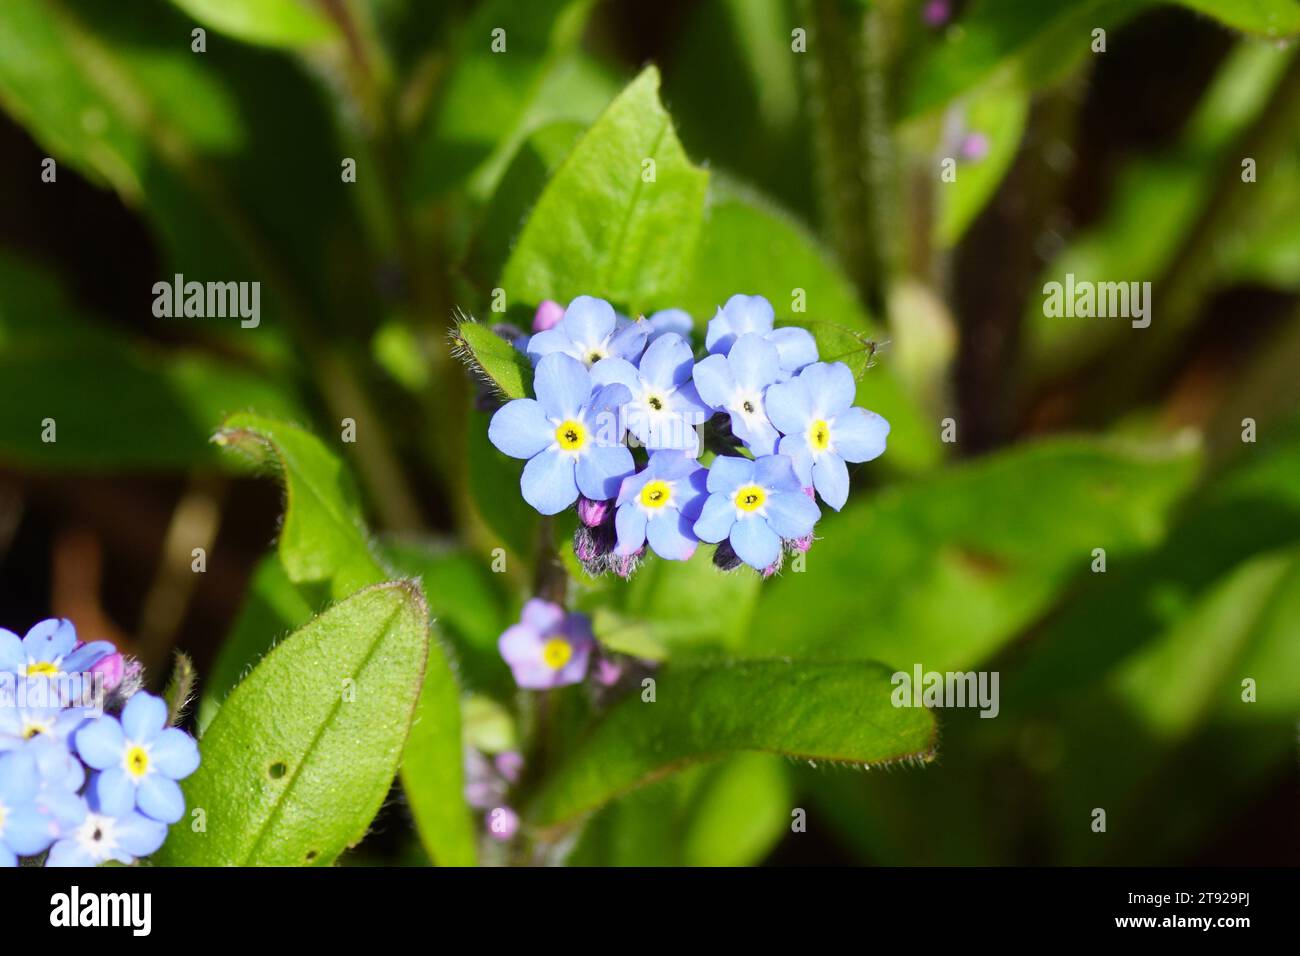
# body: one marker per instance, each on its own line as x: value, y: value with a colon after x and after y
x: 859, y: 435
x: 139, y: 835
x: 520, y: 428
x: 114, y: 792
x: 144, y: 717
x: 755, y: 543
x: 160, y: 798
x: 18, y: 780
x: 588, y: 320
x: 175, y: 754
x: 742, y: 314
x: 629, y: 525
x: 628, y: 343
x: 544, y: 343
x: 694, y: 493
x: 753, y: 362
x: 795, y: 447
x: 547, y: 482
x: 614, y: 370
x: 831, y: 387
x: 668, y: 361
x: 758, y: 434
x: 100, y: 743
x: 716, y: 518
x: 675, y: 321
x: 49, y: 639
x: 631, y: 485
x: 792, y: 514
x: 12, y: 655
x: 671, y: 536
x: 795, y: 347
x: 7, y: 857
x: 789, y: 406
x: 87, y: 656
x: 562, y: 385
x: 727, y: 473
x: 831, y: 479
x: 602, y: 469
x: 776, y: 472
x: 714, y: 381
x: 27, y: 831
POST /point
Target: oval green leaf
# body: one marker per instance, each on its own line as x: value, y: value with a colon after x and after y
x: 300, y: 757
x: 833, y: 713
x: 493, y: 359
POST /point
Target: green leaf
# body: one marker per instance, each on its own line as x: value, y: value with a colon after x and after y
x: 493, y: 100
x: 751, y: 246
x: 739, y: 813
x: 1014, y: 42
x: 945, y: 570
x: 433, y: 769
x: 835, y: 713
x: 324, y: 536
x: 300, y: 758
x: 108, y: 385
x: 998, y: 114
x: 274, y: 606
x: 180, y: 688
x: 1274, y: 19
x: 493, y: 359
x: 278, y: 23
x: 602, y: 226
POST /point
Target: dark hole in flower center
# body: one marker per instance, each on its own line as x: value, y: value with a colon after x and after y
x: 656, y: 496
x: 594, y: 357
x: 748, y: 407
x: 751, y: 499
x: 97, y: 835
x: 570, y: 435
x: 656, y: 403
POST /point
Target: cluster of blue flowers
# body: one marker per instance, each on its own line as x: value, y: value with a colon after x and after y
x: 779, y: 424
x: 88, y: 764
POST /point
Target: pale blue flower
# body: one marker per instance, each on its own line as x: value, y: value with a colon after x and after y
x: 661, y: 504
x: 736, y: 383
x: 755, y: 505
x: 570, y: 435
x: 665, y: 409
x: 589, y: 332
x: 822, y: 431
x: 753, y: 314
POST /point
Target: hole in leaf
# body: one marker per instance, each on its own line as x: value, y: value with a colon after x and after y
x: 311, y: 855
x: 277, y: 770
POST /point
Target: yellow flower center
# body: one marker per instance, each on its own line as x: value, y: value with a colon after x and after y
x: 43, y: 669
x: 31, y: 728
x: 750, y: 497
x: 137, y: 761
x: 819, y: 435
x: 571, y: 435
x: 656, y: 494
x: 556, y: 653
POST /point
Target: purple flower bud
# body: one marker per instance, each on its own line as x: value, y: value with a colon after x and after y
x: 725, y: 557
x: 548, y: 315
x: 113, y: 669
x: 510, y: 764
x: 774, y: 567
x: 937, y: 12
x: 625, y: 565
x: 975, y: 146
x: 507, y: 331
x: 593, y: 513
x: 502, y: 823
x: 608, y: 672
x: 799, y: 545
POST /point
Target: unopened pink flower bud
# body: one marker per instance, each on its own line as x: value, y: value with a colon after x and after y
x: 593, y: 513
x: 608, y: 672
x: 510, y: 764
x: 548, y: 314
x: 502, y: 823
x: 113, y: 669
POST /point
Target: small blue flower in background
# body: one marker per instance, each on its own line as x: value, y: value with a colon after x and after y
x: 664, y: 321
x: 661, y: 504
x: 101, y: 837
x: 589, y: 332
x: 49, y: 649
x: 140, y: 759
x: 736, y: 383
x: 755, y: 505
x: 753, y: 314
x: 60, y: 777
x: 665, y: 408
x: 569, y: 435
x: 822, y: 431
x: 24, y: 829
x: 547, y: 648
